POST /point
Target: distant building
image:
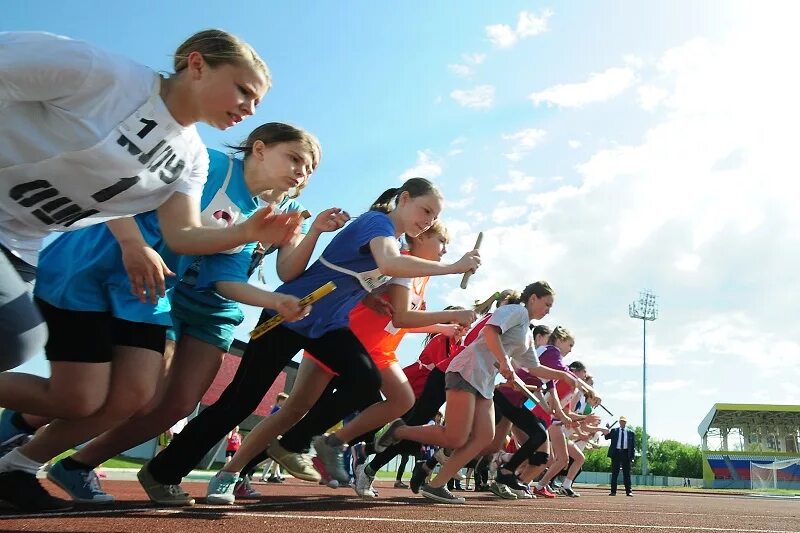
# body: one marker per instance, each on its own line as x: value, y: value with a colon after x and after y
x: 734, y: 435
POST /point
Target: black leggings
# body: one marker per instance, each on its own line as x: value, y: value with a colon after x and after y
x: 262, y: 362
x: 527, y: 422
x: 425, y: 408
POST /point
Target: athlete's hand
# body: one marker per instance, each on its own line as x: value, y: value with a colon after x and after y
x: 330, y: 220
x: 289, y: 307
x: 450, y: 330
x: 378, y: 304
x: 464, y: 317
x: 269, y: 226
x: 506, y: 371
x: 146, y: 272
x: 468, y: 263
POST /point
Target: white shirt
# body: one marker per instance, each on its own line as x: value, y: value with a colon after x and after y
x: 622, y: 441
x: 77, y: 140
x: 476, y: 362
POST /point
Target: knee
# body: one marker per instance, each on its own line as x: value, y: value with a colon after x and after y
x: 81, y: 404
x: 456, y: 439
x: 126, y: 403
x: 403, y: 402
x: 172, y: 411
x: 538, y: 458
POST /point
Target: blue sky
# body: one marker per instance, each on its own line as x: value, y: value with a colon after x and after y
x: 604, y: 146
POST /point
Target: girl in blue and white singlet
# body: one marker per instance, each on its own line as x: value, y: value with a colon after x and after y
x: 106, y: 341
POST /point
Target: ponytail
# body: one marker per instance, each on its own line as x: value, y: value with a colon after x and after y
x: 415, y: 187
x: 508, y: 296
x: 385, y: 202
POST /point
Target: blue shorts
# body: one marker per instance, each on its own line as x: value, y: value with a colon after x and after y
x: 214, y: 325
x: 83, y: 271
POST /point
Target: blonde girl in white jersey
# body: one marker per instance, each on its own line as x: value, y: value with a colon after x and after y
x: 87, y: 136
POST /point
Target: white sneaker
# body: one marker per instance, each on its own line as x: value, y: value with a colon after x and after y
x: 363, y: 483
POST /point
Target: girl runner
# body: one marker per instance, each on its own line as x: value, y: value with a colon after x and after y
x: 427, y: 376
x: 87, y: 136
x: 470, y: 387
x: 359, y: 259
x: 381, y: 335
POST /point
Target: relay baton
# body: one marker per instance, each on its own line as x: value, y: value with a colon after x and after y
x: 304, y: 301
x: 465, y: 278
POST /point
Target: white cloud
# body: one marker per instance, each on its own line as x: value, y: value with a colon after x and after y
x: 428, y: 166
x: 572, y: 143
x: 454, y: 152
x: 688, y: 262
x: 651, y: 96
x: 506, y: 213
x: 528, y: 25
x: 460, y: 204
x: 468, y: 185
x: 524, y: 141
x: 466, y: 69
x: 501, y: 35
x: 517, y: 182
x: 600, y: 86
x: 633, y: 61
x: 481, y: 97
x: 474, y: 59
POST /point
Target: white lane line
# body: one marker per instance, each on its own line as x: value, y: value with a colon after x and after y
x: 464, y: 522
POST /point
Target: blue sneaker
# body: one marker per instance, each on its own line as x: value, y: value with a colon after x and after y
x: 333, y: 459
x: 82, y: 485
x: 10, y: 435
x: 221, y: 487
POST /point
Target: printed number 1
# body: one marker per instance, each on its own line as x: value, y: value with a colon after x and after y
x: 148, y: 127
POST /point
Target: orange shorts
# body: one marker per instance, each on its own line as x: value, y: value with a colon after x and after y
x: 384, y: 360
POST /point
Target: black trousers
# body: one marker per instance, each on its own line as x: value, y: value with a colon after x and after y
x: 262, y: 362
x: 341, y: 398
x: 425, y: 408
x: 525, y: 420
x: 620, y: 460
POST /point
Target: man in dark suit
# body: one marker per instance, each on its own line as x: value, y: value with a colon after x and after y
x: 621, y: 452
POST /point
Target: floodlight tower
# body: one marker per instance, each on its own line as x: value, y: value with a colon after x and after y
x: 644, y: 309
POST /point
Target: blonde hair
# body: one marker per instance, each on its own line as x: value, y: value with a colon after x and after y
x: 219, y: 47
x: 560, y: 333
x: 437, y: 228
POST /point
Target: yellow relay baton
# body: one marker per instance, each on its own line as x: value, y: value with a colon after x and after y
x: 304, y: 301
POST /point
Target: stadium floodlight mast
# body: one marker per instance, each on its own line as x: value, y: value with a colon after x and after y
x: 644, y: 309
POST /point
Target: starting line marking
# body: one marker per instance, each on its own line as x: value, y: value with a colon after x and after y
x: 464, y: 522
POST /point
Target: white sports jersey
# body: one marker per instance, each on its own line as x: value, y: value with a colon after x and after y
x: 84, y: 138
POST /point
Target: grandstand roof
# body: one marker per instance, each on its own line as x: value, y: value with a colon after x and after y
x: 735, y: 414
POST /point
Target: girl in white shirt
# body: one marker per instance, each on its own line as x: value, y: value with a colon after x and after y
x: 87, y: 136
